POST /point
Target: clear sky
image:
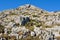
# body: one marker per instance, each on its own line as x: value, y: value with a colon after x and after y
x: 49, y: 5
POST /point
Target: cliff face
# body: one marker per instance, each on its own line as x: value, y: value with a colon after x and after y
x: 29, y: 18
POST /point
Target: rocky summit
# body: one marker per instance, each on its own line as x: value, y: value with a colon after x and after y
x: 28, y: 22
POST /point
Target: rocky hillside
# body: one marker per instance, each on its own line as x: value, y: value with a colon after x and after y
x: 27, y: 22
x: 34, y: 13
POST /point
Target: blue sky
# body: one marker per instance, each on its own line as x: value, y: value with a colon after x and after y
x: 49, y: 5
